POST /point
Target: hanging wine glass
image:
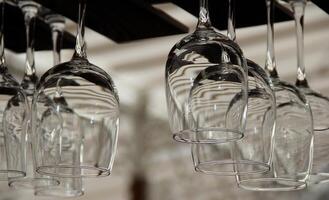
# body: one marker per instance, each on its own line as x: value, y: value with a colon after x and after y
x: 318, y: 102
x: 253, y: 153
x: 68, y: 187
x: 80, y: 102
x: 13, y: 115
x: 204, y: 48
x: 31, y: 180
x: 293, y: 146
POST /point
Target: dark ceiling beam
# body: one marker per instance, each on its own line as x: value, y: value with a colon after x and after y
x: 248, y: 13
x: 14, y: 30
x: 128, y: 20
x: 120, y: 20
x: 324, y: 4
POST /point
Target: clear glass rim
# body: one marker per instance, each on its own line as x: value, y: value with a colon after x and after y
x: 263, y: 167
x: 285, y: 184
x: 32, y: 183
x: 9, y: 174
x: 58, y: 192
x: 52, y: 170
x: 189, y: 136
x: 319, y: 130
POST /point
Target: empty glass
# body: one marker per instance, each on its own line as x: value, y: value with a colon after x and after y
x: 318, y: 102
x: 31, y: 180
x: 252, y: 154
x: 68, y: 187
x: 13, y: 118
x: 203, y: 48
x: 293, y: 140
x: 76, y: 117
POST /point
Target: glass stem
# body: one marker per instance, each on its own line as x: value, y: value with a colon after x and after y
x: 270, y: 63
x: 299, y: 11
x: 30, y: 77
x: 30, y: 63
x: 80, y: 46
x: 57, y: 36
x: 204, y: 18
x: 231, y: 20
x: 2, y: 43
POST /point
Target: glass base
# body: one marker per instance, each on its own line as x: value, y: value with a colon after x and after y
x: 32, y: 183
x: 320, y: 128
x: 6, y: 174
x: 68, y: 171
x: 227, y: 167
x: 272, y: 184
x: 58, y: 192
x: 208, y: 136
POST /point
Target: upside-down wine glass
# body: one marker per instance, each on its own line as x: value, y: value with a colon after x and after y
x: 293, y: 141
x: 318, y: 102
x: 13, y: 117
x: 31, y: 180
x: 253, y: 153
x: 68, y: 187
x: 76, y: 116
x: 205, y: 47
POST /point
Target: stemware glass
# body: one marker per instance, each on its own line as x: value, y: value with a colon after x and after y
x: 76, y: 116
x: 13, y: 116
x: 68, y: 187
x: 203, y: 48
x: 31, y: 180
x: 253, y: 153
x: 293, y: 140
x: 318, y: 102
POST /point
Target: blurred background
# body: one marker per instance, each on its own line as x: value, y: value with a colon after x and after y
x: 149, y: 164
